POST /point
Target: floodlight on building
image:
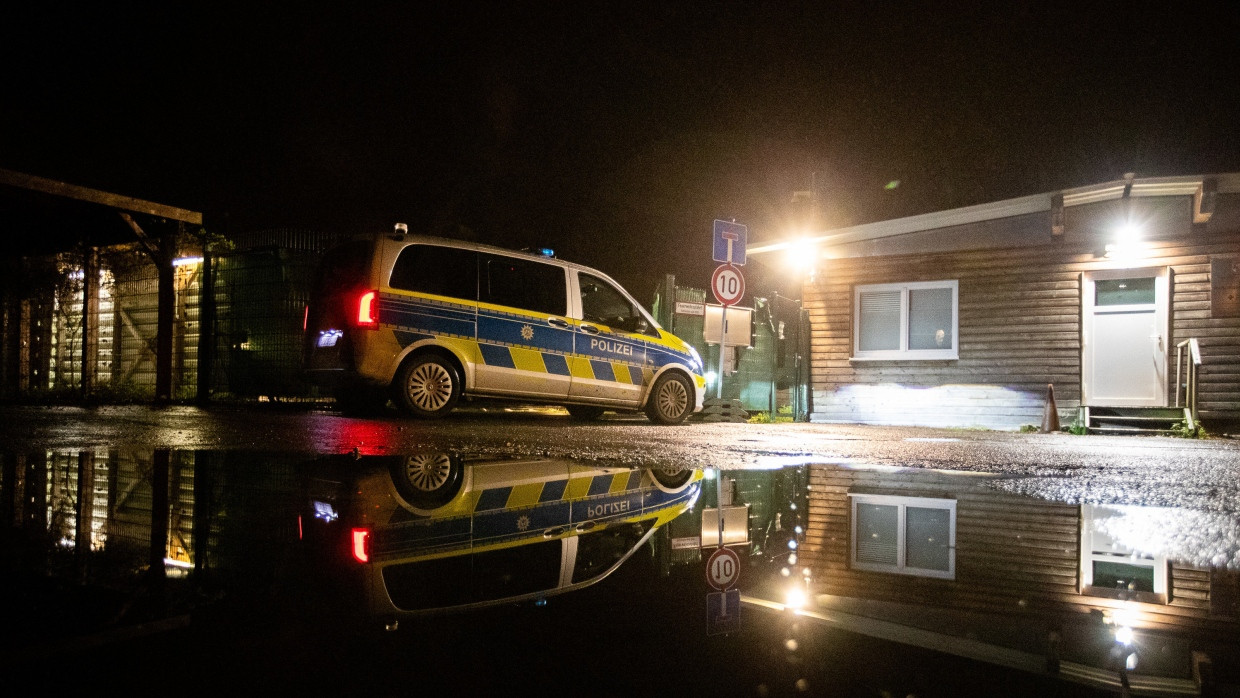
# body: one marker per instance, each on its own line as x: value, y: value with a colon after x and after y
x: 186, y: 261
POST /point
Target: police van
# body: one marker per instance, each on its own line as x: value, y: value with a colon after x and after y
x: 428, y: 532
x: 426, y: 321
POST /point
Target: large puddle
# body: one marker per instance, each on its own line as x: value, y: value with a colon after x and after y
x: 468, y: 573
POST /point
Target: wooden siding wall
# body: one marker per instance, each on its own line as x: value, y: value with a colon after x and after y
x: 1019, y: 331
x: 1014, y: 555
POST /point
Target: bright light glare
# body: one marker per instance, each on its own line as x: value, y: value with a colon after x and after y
x: 1123, y: 635
x: 1128, y: 232
x: 710, y: 377
x: 801, y: 254
x: 186, y: 261
x: 795, y: 598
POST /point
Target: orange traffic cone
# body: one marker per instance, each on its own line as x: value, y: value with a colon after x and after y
x: 1050, y: 417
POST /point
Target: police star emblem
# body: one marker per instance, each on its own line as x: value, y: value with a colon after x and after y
x: 527, y: 332
x: 523, y: 522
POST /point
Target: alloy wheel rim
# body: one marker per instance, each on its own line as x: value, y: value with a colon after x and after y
x: 428, y: 473
x: 673, y: 399
x: 430, y: 387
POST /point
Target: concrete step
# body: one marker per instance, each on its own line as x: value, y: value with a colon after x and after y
x: 1133, y: 420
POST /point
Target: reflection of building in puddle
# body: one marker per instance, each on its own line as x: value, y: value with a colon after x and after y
x: 1091, y: 592
x: 478, y: 530
x: 98, y: 508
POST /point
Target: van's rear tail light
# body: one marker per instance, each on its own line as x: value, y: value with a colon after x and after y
x: 368, y: 310
x: 361, y: 544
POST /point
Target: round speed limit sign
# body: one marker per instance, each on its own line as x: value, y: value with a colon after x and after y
x: 723, y: 568
x: 728, y: 284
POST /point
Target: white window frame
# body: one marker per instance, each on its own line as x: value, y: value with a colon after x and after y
x: 904, y: 353
x: 901, y: 525
x: 1094, y: 551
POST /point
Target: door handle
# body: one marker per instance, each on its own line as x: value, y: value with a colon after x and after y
x: 554, y: 531
x: 590, y: 329
x: 585, y: 526
x: 557, y: 322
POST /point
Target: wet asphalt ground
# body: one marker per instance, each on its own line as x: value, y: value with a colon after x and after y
x: 1201, y: 474
x: 622, y: 642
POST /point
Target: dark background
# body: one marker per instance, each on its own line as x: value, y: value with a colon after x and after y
x: 612, y: 132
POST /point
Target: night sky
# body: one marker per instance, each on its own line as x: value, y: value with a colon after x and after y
x: 613, y: 132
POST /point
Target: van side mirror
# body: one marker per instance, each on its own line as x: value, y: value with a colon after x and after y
x: 640, y: 325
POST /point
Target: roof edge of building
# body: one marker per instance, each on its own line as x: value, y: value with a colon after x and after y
x: 1187, y: 185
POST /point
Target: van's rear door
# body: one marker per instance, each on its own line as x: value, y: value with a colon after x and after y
x: 330, y: 317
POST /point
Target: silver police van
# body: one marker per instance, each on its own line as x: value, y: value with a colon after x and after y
x: 426, y: 321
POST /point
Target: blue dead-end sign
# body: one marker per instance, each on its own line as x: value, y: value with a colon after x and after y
x: 729, y: 246
x: 723, y: 612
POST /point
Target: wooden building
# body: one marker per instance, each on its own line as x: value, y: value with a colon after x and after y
x: 1123, y: 296
x: 955, y: 555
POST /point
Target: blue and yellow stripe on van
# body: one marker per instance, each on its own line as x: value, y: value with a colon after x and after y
x: 513, y: 513
x: 493, y: 336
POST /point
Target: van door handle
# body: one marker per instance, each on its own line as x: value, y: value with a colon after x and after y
x: 555, y: 531
x: 585, y: 526
x: 558, y: 322
x: 590, y: 329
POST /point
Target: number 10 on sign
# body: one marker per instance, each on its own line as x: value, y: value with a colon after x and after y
x: 723, y: 568
x: 728, y: 284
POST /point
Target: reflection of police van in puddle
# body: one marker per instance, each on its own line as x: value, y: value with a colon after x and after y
x: 431, y: 533
x: 426, y: 320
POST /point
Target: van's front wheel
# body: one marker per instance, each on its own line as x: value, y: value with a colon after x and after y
x: 671, y: 399
x: 428, y: 386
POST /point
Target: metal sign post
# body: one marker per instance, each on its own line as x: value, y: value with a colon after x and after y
x: 728, y: 285
x: 723, y: 568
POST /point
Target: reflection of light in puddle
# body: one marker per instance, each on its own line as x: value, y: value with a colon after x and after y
x: 931, y: 439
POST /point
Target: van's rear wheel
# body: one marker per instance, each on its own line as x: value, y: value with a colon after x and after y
x: 670, y: 400
x: 428, y: 386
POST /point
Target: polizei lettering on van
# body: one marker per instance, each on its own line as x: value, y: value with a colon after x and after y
x: 607, y: 509
x: 613, y: 347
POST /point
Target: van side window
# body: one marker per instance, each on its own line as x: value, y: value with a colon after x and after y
x: 443, y: 271
x: 521, y: 283
x: 602, y: 303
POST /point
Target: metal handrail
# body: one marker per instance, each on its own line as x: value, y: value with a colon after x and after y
x: 1190, y: 387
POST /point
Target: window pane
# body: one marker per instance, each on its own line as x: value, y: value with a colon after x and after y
x: 523, y: 284
x: 930, y: 318
x: 443, y: 271
x: 877, y: 531
x: 514, y: 571
x: 1124, y: 291
x: 926, y: 536
x: 603, y: 304
x: 1117, y: 575
x: 880, y: 321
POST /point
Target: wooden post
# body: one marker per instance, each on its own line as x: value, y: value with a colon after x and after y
x: 90, y: 319
x: 83, y: 511
x: 163, y: 332
x: 159, y: 525
x: 206, y: 326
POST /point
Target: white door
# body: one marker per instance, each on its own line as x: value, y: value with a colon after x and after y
x: 1125, y: 338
